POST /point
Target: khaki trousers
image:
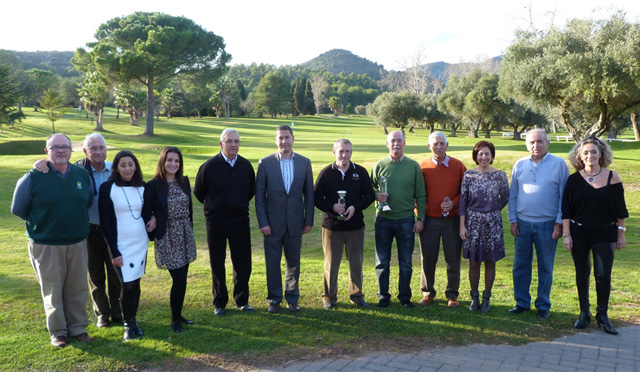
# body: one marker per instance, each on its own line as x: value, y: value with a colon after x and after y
x: 62, y: 274
x: 332, y: 245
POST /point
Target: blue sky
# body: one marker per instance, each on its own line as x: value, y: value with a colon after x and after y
x: 292, y: 31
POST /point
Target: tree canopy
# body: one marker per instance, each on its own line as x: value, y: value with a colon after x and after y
x: 153, y: 48
x: 589, y: 71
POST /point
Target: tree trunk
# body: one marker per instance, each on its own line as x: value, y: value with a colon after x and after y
x: 99, y: 117
x: 117, y: 112
x: 151, y: 104
x: 634, y: 124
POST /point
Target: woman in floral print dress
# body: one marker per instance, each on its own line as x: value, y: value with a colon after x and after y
x: 484, y: 192
x: 169, y: 214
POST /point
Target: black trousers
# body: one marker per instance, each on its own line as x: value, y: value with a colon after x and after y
x: 239, y: 237
x: 602, y: 265
x: 102, y: 275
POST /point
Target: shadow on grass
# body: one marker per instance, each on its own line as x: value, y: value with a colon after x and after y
x: 29, y: 147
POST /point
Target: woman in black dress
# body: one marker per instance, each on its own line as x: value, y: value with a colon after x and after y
x: 169, y: 215
x: 593, y: 218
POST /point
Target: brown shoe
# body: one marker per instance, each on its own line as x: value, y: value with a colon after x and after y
x: 273, y: 308
x: 83, y: 337
x: 453, y: 303
x: 426, y: 301
x: 59, y: 341
x: 101, y: 323
x: 294, y: 307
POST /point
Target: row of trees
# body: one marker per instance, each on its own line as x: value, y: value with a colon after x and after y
x: 585, y: 76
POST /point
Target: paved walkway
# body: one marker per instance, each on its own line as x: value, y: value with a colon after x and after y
x: 592, y: 351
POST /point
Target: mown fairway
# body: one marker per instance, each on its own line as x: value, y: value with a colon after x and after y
x: 239, y: 340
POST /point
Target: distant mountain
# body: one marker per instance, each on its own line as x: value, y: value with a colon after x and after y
x: 54, y: 61
x: 340, y: 60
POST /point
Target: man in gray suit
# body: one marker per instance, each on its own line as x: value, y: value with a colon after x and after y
x: 284, y: 207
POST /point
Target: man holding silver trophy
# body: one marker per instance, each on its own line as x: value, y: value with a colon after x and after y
x: 343, y: 190
x: 399, y: 187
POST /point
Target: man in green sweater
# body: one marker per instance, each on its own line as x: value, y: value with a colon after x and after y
x: 54, y: 207
x: 395, y: 216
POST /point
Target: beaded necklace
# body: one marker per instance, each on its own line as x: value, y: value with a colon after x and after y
x: 129, y: 204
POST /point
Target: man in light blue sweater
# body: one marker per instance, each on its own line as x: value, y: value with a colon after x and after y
x: 537, y: 184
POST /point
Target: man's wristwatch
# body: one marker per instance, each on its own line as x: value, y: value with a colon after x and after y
x: 622, y: 228
x: 421, y: 219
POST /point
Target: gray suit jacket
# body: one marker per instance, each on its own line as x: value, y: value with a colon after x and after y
x: 276, y: 208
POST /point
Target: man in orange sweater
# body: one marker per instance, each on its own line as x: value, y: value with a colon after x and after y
x: 442, y: 177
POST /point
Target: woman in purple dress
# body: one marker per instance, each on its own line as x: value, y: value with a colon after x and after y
x: 484, y: 192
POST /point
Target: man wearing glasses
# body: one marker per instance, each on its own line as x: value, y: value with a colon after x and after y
x: 102, y: 275
x: 225, y: 184
x: 54, y: 207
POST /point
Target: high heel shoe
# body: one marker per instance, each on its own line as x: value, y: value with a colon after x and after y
x: 603, y: 320
x: 583, y: 320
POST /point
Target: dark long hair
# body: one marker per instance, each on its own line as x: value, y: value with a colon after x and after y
x: 161, y: 173
x: 115, y: 176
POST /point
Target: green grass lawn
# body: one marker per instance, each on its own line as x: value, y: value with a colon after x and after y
x: 240, y: 340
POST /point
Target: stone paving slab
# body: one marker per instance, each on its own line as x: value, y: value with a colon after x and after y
x: 582, y: 352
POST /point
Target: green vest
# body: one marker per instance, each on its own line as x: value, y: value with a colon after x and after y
x: 58, y: 213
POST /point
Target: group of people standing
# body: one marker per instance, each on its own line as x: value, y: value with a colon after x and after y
x: 97, y: 216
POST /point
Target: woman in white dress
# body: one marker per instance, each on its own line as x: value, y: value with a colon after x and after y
x: 121, y: 202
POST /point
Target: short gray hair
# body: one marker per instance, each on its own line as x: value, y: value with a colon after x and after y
x: 438, y: 134
x: 57, y: 134
x: 227, y: 131
x: 343, y: 141
x: 90, y: 136
x: 544, y: 132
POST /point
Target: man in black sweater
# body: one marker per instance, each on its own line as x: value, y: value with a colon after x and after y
x: 343, y: 223
x: 225, y: 184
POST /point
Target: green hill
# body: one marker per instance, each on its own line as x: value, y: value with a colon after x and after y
x: 340, y: 60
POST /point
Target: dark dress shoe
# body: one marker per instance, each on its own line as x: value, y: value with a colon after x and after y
x: 177, y: 327
x: 246, y: 308
x: 220, y: 311
x: 603, y: 320
x: 183, y: 320
x: 583, y: 320
x: 59, y: 341
x: 383, y: 303
x: 363, y: 304
x: 518, y: 309
x: 273, y: 308
x: 101, y: 323
x: 407, y: 303
x: 294, y: 307
x: 328, y: 305
x: 83, y: 337
x: 544, y: 314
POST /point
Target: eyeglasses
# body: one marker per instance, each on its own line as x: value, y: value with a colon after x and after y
x: 58, y: 148
x: 232, y: 142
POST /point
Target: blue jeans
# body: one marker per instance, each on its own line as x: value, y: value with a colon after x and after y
x: 538, y: 234
x: 385, y: 230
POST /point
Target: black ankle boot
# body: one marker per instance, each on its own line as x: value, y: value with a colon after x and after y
x: 137, y: 328
x: 486, y: 301
x: 177, y: 326
x: 603, y: 320
x: 583, y: 320
x: 475, y: 301
x: 129, y: 330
